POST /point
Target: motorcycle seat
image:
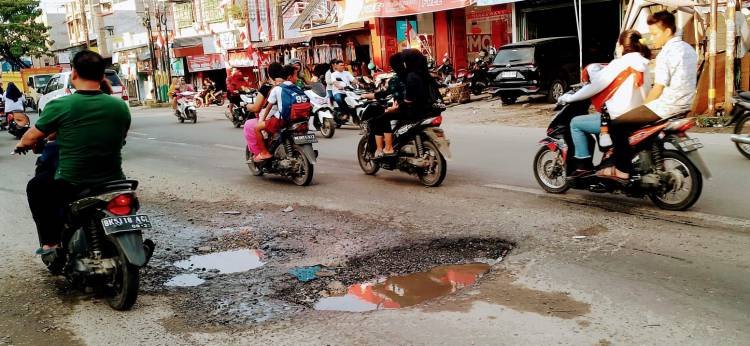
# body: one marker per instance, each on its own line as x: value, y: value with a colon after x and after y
x: 109, y: 186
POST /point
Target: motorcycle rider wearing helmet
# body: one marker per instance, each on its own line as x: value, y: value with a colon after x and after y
x: 91, y: 128
x: 621, y: 85
x: 673, y: 92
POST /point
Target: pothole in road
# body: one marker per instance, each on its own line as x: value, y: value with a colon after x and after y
x: 235, y: 261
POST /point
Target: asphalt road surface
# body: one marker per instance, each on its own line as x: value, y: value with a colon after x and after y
x: 587, y: 268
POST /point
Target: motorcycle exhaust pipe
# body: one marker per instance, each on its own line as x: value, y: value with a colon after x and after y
x: 744, y: 139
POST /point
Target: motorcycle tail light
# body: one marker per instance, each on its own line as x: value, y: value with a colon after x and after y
x: 437, y: 121
x: 301, y: 127
x: 121, y: 205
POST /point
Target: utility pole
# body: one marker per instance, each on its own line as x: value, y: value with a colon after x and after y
x: 729, y: 65
x: 165, y: 23
x: 712, y: 58
x: 147, y: 24
x: 85, y: 23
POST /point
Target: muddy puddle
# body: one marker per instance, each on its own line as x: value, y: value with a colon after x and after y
x: 225, y: 262
x: 185, y: 280
x: 406, y: 290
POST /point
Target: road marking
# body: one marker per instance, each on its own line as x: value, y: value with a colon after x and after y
x: 683, y: 217
x: 232, y: 147
x: 137, y: 133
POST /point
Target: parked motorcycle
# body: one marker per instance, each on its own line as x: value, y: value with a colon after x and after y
x: 671, y: 178
x: 210, y: 97
x: 239, y: 115
x: 322, y: 111
x: 102, y: 243
x: 421, y: 147
x: 16, y: 129
x: 293, y: 154
x: 444, y: 72
x: 741, y: 120
x: 186, y: 107
x: 478, y: 76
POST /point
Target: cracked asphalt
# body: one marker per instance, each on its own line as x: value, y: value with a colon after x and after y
x: 585, y: 269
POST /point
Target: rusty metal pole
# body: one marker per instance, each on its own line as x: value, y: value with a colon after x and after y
x: 729, y: 76
x: 712, y: 58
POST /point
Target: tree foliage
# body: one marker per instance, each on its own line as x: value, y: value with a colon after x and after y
x: 20, y: 34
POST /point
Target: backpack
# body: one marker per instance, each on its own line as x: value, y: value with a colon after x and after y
x: 295, y: 104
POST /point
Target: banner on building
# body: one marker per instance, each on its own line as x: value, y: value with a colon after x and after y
x: 205, y: 62
x: 361, y: 10
x: 489, y: 15
x: 494, y: 2
x: 178, y: 67
x: 406, y: 34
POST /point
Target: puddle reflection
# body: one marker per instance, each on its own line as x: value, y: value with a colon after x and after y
x: 404, y: 291
x: 184, y: 280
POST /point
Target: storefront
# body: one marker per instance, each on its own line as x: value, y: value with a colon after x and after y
x: 211, y: 66
x: 488, y: 28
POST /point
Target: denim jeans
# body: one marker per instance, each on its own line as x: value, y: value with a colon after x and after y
x: 339, y: 99
x: 580, y: 128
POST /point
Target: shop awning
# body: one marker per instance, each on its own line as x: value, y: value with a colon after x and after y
x: 361, y: 10
x: 283, y: 42
x: 335, y: 30
x: 494, y: 2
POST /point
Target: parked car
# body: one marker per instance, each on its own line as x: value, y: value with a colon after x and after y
x: 59, y: 85
x: 546, y: 66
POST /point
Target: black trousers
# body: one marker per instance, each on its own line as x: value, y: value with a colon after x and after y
x: 47, y: 199
x: 382, y: 124
x: 622, y: 127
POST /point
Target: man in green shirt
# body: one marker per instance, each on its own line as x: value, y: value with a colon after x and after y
x: 90, y: 129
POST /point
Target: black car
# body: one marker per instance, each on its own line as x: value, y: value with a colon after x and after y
x: 546, y: 66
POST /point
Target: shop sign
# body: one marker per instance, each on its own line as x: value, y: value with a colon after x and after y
x: 406, y: 34
x: 487, y: 15
x: 494, y: 2
x: 475, y: 43
x: 205, y: 62
x: 228, y: 40
x: 361, y: 10
x: 242, y: 59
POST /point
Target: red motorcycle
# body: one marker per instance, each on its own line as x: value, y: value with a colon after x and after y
x: 671, y: 178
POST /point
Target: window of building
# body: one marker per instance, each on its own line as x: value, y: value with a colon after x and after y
x: 183, y: 14
x: 211, y: 11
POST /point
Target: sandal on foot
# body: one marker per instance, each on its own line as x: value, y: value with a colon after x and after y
x: 378, y: 154
x: 44, y: 252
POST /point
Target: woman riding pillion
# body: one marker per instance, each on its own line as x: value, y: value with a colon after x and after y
x: 621, y: 85
x: 14, y: 104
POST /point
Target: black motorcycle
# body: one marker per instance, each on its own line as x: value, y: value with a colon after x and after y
x: 238, y: 113
x: 741, y: 121
x: 102, y: 243
x: 478, y: 76
x: 421, y: 147
x: 671, y: 178
x: 293, y: 154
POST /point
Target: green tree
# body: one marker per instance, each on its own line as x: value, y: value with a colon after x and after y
x: 20, y: 34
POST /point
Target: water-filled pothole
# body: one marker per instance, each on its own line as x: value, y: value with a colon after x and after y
x: 406, y: 290
x: 185, y: 280
x: 225, y: 262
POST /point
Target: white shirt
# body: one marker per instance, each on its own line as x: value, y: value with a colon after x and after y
x: 676, y: 69
x: 274, y: 98
x: 742, y: 31
x: 627, y: 96
x: 11, y: 106
x: 346, y: 81
x: 329, y: 81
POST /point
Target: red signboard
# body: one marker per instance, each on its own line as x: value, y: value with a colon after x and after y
x: 205, y: 62
x: 489, y: 15
x: 361, y: 10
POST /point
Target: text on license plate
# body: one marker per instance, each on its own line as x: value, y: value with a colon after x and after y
x: 690, y: 144
x: 125, y: 223
x: 510, y: 74
x: 305, y: 139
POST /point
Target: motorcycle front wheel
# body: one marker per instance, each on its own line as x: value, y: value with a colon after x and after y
x: 686, y: 183
x: 328, y: 127
x: 364, y: 156
x: 743, y: 128
x: 548, y: 171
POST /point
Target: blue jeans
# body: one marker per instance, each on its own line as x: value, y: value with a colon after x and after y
x: 339, y: 99
x: 580, y: 127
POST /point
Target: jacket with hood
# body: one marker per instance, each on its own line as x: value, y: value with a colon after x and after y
x: 631, y: 73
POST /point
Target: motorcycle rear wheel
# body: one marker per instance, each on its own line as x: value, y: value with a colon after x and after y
x: 440, y: 170
x: 254, y: 170
x: 194, y: 116
x: 125, y: 283
x: 678, y: 163
x: 743, y: 128
x: 547, y: 172
x: 305, y: 178
x: 328, y: 128
x: 364, y: 157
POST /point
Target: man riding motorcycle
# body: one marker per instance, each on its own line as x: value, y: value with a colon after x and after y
x: 91, y: 127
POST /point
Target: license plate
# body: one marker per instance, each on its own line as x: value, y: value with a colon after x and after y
x: 690, y: 144
x: 305, y: 139
x: 511, y: 74
x: 125, y: 223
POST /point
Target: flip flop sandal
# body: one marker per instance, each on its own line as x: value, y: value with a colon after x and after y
x: 42, y: 252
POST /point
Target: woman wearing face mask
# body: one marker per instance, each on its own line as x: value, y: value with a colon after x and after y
x: 622, y: 85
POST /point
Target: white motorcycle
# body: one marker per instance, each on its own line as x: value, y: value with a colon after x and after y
x: 356, y: 107
x: 322, y: 118
x: 186, y: 106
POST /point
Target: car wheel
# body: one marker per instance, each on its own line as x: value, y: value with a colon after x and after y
x: 556, y: 89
